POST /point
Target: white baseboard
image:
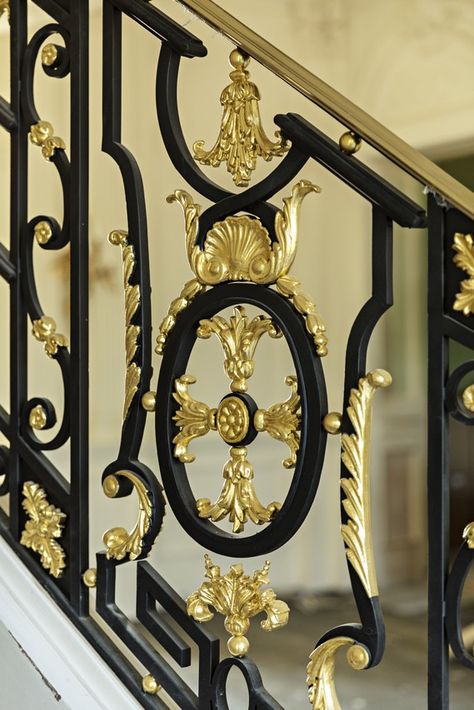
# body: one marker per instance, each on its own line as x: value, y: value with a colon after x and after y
x: 64, y: 657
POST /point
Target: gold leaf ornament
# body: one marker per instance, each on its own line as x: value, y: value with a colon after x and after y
x: 241, y: 138
x: 238, y: 499
x: 239, y: 338
x: 44, y: 527
x: 282, y: 421
x: 238, y: 597
x: 464, y: 259
x: 132, y: 302
x: 357, y: 532
x: 193, y: 418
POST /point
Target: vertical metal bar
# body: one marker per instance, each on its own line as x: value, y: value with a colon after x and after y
x: 18, y: 216
x: 79, y: 515
x: 438, y: 465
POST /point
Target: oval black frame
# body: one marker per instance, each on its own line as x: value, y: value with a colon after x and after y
x: 312, y: 390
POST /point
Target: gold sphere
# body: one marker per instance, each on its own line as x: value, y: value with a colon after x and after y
x: 239, y: 59
x: 150, y: 685
x: 349, y: 143
x: 43, y: 232
x: 238, y: 645
x: 149, y: 401
x: 110, y: 486
x: 90, y: 577
x: 468, y: 398
x: 49, y: 55
x: 358, y: 657
x: 38, y: 417
x: 332, y: 422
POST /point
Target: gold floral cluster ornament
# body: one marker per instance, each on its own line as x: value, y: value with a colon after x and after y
x: 240, y: 249
x: 239, y: 338
x: 238, y: 597
x: 283, y: 420
x: 464, y: 259
x: 44, y: 527
x: 42, y: 135
x: 118, y: 541
x: 241, y: 137
x: 238, y: 498
x: 132, y: 302
x: 356, y: 533
x: 44, y: 330
x: 234, y: 421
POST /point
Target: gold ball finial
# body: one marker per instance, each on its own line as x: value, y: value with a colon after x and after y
x: 38, y: 417
x: 238, y: 645
x: 43, y: 232
x: 150, y: 685
x: 239, y: 59
x: 110, y: 486
x: 49, y: 55
x: 468, y: 398
x: 149, y: 401
x: 90, y: 577
x: 332, y: 422
x: 349, y: 142
x: 358, y: 657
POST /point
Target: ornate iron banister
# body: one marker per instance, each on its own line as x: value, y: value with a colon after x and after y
x: 337, y: 105
x: 241, y: 251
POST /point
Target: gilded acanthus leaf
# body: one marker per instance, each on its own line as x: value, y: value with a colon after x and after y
x: 291, y: 288
x: 193, y: 418
x: 190, y: 290
x: 238, y: 597
x: 118, y: 541
x: 238, y: 499
x: 357, y: 531
x: 241, y: 137
x: 132, y: 302
x: 464, y: 259
x: 44, y: 527
x: 239, y: 338
x: 239, y: 248
x: 321, y: 669
x: 282, y: 421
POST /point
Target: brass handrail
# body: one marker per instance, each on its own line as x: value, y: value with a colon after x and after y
x: 337, y: 105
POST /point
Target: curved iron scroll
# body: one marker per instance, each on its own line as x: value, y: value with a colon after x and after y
x: 39, y: 413
x: 126, y: 473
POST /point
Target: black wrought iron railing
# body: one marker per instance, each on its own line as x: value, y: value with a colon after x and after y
x: 241, y: 251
